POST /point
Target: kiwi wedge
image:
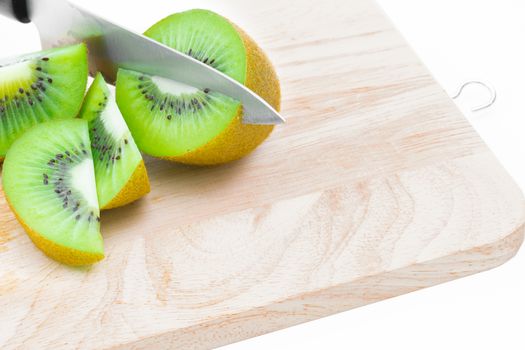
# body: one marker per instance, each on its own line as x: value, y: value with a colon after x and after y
x: 177, y: 122
x: 39, y: 87
x: 49, y: 182
x: 120, y: 172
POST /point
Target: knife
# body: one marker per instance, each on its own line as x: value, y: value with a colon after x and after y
x: 111, y: 46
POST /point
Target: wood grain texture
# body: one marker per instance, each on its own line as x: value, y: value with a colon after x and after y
x: 376, y: 187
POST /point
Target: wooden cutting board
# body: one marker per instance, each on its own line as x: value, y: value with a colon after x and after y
x: 376, y: 187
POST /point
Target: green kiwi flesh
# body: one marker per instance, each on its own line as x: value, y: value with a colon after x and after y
x: 49, y: 181
x: 173, y: 121
x: 205, y: 36
x: 169, y: 119
x: 115, y: 153
x: 39, y: 87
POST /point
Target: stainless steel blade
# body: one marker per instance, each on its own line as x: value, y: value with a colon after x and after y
x: 112, y: 46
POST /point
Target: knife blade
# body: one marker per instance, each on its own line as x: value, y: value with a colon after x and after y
x: 111, y: 46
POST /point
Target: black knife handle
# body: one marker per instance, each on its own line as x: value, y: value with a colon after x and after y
x: 15, y: 9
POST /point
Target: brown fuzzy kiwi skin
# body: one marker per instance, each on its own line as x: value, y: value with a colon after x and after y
x: 64, y: 255
x: 238, y: 139
x: 137, y: 186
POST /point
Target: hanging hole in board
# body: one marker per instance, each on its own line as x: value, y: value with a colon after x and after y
x: 492, y: 91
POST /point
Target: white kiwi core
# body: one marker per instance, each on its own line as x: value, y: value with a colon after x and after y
x: 83, y: 181
x: 171, y: 87
x: 15, y: 75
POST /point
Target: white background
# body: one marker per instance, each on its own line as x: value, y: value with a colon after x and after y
x: 459, y: 40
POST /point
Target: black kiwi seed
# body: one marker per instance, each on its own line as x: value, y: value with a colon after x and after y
x: 49, y: 80
x: 21, y: 90
x: 126, y: 141
x: 169, y: 117
x: 55, y: 176
x: 39, y: 69
x: 206, y: 90
x: 41, y: 86
x: 45, y: 58
x: 212, y: 61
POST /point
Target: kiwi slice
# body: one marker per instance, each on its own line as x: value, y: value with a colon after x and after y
x: 38, y: 87
x: 49, y: 182
x: 119, y: 169
x: 198, y: 126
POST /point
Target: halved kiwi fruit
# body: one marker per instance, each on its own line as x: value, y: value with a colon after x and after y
x: 119, y: 169
x: 49, y: 182
x: 180, y: 123
x: 38, y: 87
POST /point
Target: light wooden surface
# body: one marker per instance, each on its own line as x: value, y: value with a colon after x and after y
x: 376, y: 187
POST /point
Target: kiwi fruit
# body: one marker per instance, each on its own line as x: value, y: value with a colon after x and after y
x: 120, y: 172
x: 38, y: 87
x: 197, y: 126
x: 49, y: 182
